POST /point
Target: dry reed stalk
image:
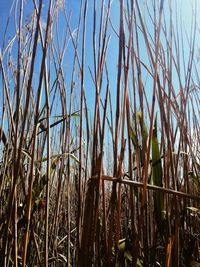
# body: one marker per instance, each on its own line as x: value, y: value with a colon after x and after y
x: 114, y: 217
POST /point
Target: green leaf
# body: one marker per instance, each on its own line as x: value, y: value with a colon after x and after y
x: 123, y: 249
x: 142, y: 143
x: 121, y: 244
x: 133, y: 137
x: 144, y: 131
x: 139, y: 263
x: 39, y: 184
x: 128, y: 255
x: 75, y: 115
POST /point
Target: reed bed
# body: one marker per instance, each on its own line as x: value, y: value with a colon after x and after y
x: 99, y: 156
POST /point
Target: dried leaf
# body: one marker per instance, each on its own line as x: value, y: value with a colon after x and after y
x: 156, y: 178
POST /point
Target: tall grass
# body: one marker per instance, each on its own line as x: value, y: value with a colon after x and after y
x: 106, y: 181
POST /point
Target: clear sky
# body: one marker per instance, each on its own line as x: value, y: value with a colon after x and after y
x: 73, y: 6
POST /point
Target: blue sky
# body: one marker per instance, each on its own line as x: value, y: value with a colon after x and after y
x: 73, y: 6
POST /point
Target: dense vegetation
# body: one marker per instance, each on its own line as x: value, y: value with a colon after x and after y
x: 99, y: 157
